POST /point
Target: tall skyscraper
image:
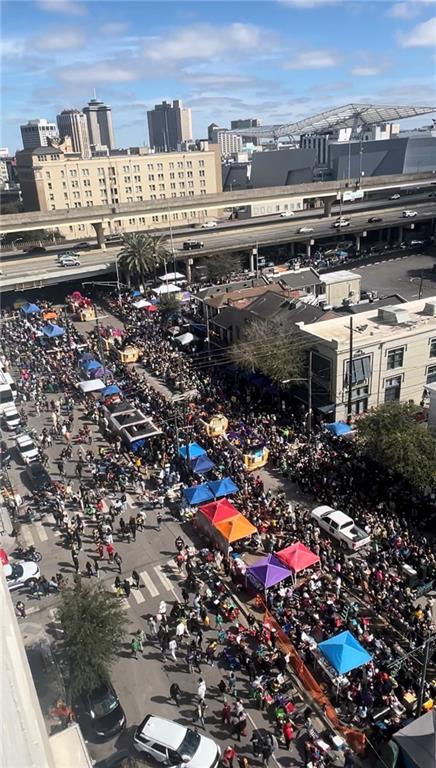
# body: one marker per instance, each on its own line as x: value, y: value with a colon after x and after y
x: 72, y: 122
x: 249, y: 122
x: 169, y: 125
x: 99, y: 120
x: 36, y: 133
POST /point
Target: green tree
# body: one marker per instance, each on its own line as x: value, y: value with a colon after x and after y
x: 392, y: 436
x: 94, y: 625
x: 221, y: 264
x: 142, y: 254
x: 271, y: 349
x: 168, y: 304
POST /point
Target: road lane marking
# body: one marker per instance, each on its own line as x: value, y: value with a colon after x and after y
x: 149, y: 584
x: 139, y: 597
x: 42, y: 533
x: 164, y: 579
x: 26, y: 535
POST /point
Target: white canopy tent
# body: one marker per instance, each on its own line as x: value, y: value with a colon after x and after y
x: 93, y: 385
x: 162, y: 290
x: 141, y: 303
x: 185, y: 338
x: 176, y: 277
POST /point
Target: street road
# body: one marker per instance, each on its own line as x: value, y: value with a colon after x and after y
x: 401, y: 275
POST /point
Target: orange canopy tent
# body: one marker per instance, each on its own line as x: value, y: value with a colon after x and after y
x: 235, y: 528
x: 298, y: 557
x: 217, y: 511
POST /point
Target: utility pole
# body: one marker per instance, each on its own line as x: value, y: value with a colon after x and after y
x: 207, y: 330
x: 309, y: 387
x: 350, y: 375
x: 423, y: 676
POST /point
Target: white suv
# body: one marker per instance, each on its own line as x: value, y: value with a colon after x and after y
x: 174, y: 745
x: 409, y: 214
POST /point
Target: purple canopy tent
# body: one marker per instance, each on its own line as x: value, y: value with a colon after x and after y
x: 268, y: 571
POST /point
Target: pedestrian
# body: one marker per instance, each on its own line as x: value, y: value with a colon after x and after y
x: 126, y: 587
x: 185, y: 595
x: 228, y: 757
x: 288, y: 733
x: 172, y: 646
x: 201, y: 689
x: 110, y: 552
x: 349, y: 759
x: 158, y: 520
x: 232, y: 683
x: 175, y: 693
x: 135, y: 579
x: 75, y: 560
x: 267, y: 751
x: 201, y: 710
x: 243, y: 761
x: 96, y: 568
x: 222, y: 686
x: 140, y: 636
x: 152, y: 625
x: 226, y: 712
x: 118, y: 561
x: 134, y: 646
x: 20, y: 609
x: 89, y: 569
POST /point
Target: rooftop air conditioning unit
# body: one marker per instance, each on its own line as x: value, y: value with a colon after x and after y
x: 430, y: 308
x: 393, y: 315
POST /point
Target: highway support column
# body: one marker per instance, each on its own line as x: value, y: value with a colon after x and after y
x: 188, y: 267
x: 309, y: 248
x: 357, y: 242
x: 99, y: 231
x: 328, y: 202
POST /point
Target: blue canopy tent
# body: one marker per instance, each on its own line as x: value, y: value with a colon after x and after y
x: 91, y: 365
x: 111, y: 390
x: 86, y: 358
x: 194, y: 451
x: 30, y: 309
x: 100, y: 372
x: 338, y: 428
x: 198, y: 494
x: 52, y: 330
x: 344, y: 652
x: 223, y: 487
x: 135, y: 293
x: 202, y: 464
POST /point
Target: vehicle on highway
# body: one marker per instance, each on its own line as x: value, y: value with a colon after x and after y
x: 34, y: 249
x: 302, y: 230
x: 341, y: 222
x: 72, y: 254
x: 38, y: 476
x: 408, y: 214
x: 415, y: 243
x: 209, y: 225
x: 11, y: 418
x: 102, y: 709
x: 69, y: 261
x: 432, y: 194
x: 192, y: 245
x: 286, y: 214
x: 26, y: 448
x: 374, y: 219
x: 84, y: 245
x: 22, y: 574
x: 175, y: 745
x: 340, y: 526
x: 114, y: 238
x: 395, y: 197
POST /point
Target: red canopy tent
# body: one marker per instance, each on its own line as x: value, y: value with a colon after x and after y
x: 298, y: 557
x: 217, y: 511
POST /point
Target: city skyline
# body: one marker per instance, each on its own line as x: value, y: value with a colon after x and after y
x: 279, y: 61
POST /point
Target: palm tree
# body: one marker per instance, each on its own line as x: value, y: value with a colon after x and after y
x: 141, y: 254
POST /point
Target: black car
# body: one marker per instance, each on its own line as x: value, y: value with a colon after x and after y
x: 374, y: 219
x: 192, y: 245
x: 103, y: 711
x: 35, y: 249
x: 38, y: 476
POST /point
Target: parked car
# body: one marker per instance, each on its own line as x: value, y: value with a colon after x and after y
x: 302, y: 230
x: 34, y: 249
x: 286, y: 214
x: 408, y: 214
x: 22, y: 574
x: 340, y: 526
x: 102, y: 709
x: 395, y: 197
x: 374, y: 219
x: 38, y: 476
x: 26, y: 448
x: 11, y: 418
x: 191, y: 245
x: 69, y: 261
x: 209, y: 225
x: 173, y: 745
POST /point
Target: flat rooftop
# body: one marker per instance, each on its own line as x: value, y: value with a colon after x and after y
x: 370, y: 328
x: 341, y: 276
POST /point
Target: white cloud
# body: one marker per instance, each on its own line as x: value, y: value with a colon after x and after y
x: 306, y: 3
x: 366, y: 71
x: 403, y: 10
x: 15, y: 46
x: 420, y: 36
x: 59, y: 39
x: 103, y: 72
x: 114, y: 28
x: 316, y: 59
x: 68, y: 7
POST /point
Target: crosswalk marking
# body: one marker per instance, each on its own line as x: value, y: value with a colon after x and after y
x: 173, y: 566
x: 26, y: 535
x: 164, y: 579
x: 42, y: 533
x: 149, y: 584
x: 137, y: 594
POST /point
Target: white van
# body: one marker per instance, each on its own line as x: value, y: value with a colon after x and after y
x: 6, y: 397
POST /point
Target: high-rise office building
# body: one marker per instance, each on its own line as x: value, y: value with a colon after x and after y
x: 72, y: 123
x: 36, y: 133
x: 169, y: 125
x: 249, y: 122
x: 99, y: 120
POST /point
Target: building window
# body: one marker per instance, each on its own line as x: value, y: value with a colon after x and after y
x: 190, y: 184
x: 360, y: 371
x: 172, y: 175
x: 75, y: 184
x: 181, y: 175
x: 172, y: 185
x: 431, y: 374
x: 136, y: 169
x: 189, y: 174
x: 150, y: 167
x: 432, y: 347
x: 153, y: 197
x: 395, y: 358
x: 162, y: 196
x: 128, y: 190
x: 138, y: 189
x: 100, y: 171
x: 160, y: 176
x: 201, y: 173
x: 137, y: 178
x: 151, y: 177
x: 202, y: 183
x: 170, y: 166
x: 179, y: 165
x: 155, y: 219
x: 47, y: 175
x: 127, y: 179
x: 89, y: 203
x: 73, y: 173
x: 392, y: 389
x: 182, y: 185
x: 202, y: 191
x: 62, y: 174
x: 139, y: 197
x: 152, y: 187
x: 160, y: 166
x: 126, y: 169
x: 174, y: 194
x: 85, y: 171
x: 201, y: 163
x: 132, y: 221
x: 359, y: 406
x: 191, y: 193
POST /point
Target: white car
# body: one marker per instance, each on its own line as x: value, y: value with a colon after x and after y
x: 340, y: 526
x: 11, y: 418
x: 341, y: 222
x: 69, y: 261
x: 209, y: 225
x: 27, y: 448
x: 22, y: 574
x: 409, y: 214
x: 305, y: 229
x: 174, y: 745
x: 395, y: 197
x: 287, y: 214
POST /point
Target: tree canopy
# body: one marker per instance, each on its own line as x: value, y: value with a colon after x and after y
x: 392, y: 436
x: 220, y: 264
x: 271, y: 349
x: 94, y: 625
x: 142, y: 254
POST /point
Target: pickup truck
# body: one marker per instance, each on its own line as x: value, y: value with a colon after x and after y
x: 341, y: 527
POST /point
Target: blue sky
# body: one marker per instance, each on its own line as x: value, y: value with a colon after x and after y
x: 277, y: 60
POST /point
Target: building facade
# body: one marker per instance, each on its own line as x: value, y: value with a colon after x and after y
x: 228, y: 143
x: 99, y: 120
x: 37, y: 133
x: 51, y: 180
x: 73, y: 123
x: 393, y: 356
x: 169, y: 125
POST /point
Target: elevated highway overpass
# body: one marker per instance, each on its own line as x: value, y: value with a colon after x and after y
x: 29, y: 272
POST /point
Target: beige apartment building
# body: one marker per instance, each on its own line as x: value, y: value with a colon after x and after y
x: 393, y: 356
x: 52, y: 179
